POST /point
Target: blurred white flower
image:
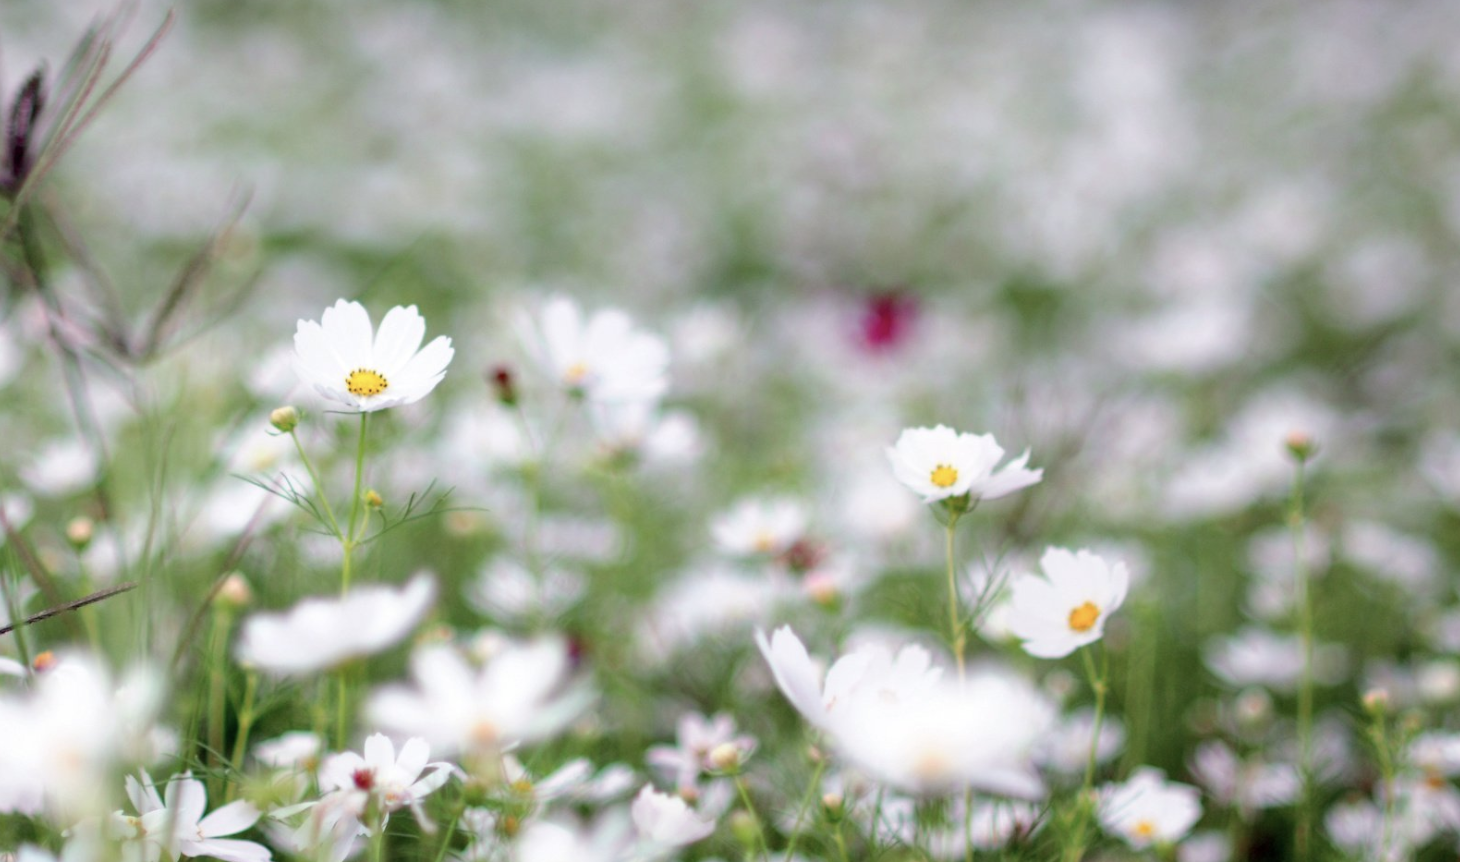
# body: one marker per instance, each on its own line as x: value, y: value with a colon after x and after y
x: 666, y: 821
x: 349, y: 363
x: 606, y: 357
x: 940, y: 463
x: 607, y: 839
x: 293, y: 750
x: 506, y: 590
x: 1066, y: 747
x: 1258, y: 656
x: 1148, y: 810
x: 1247, y: 786
x: 78, y: 725
x: 899, y: 720
x: 173, y: 824
x: 61, y: 467
x: 319, y: 633
x: 698, y: 739
x: 1067, y: 608
x: 765, y: 527
x: 522, y: 694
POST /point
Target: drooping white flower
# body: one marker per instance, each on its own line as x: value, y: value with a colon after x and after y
x: 523, y: 693
x: 349, y: 363
x: 760, y: 526
x: 939, y: 463
x: 666, y: 821
x: 173, y: 824
x: 605, y: 357
x: 1148, y: 810
x: 1067, y: 608
x: 319, y: 633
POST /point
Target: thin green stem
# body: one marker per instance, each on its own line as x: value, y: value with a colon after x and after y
x: 841, y: 843
x: 245, y: 725
x: 342, y: 697
x: 217, y: 691
x: 348, y: 541
x: 1303, y: 832
x: 1386, y: 771
x: 765, y: 849
x: 956, y: 637
x: 448, y: 832
x: 806, y: 801
x: 377, y: 840
x: 324, y: 500
x: 1075, y: 849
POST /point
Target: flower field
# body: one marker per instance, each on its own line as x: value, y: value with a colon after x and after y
x: 809, y: 432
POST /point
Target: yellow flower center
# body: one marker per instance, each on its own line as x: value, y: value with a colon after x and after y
x: 943, y: 475
x: 1083, y: 618
x: 1143, y: 829
x: 575, y: 374
x: 363, y: 381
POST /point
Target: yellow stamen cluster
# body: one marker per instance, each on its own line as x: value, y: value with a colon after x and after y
x: 1083, y: 618
x: 1143, y: 829
x: 365, y: 382
x: 576, y: 374
x: 944, y: 475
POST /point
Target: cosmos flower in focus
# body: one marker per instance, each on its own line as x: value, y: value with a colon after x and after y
x: 940, y: 463
x: 604, y: 357
x: 173, y: 824
x: 1148, y: 810
x: 319, y: 633
x: 1066, y: 609
x: 349, y: 363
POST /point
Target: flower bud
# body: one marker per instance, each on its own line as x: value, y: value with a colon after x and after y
x: 1377, y: 701
x: 285, y: 419
x: 744, y: 828
x: 1300, y: 445
x: 503, y: 385
x: 79, y: 532
x: 373, y: 499
x: 724, y: 757
x: 43, y: 661
x: 833, y: 805
x: 235, y: 592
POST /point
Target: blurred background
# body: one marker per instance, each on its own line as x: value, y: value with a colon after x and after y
x: 1146, y: 240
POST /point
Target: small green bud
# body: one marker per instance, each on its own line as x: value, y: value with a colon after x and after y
x: 285, y: 419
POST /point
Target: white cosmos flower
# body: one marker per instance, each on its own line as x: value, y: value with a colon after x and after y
x: 1066, y: 609
x: 319, y: 633
x: 349, y: 363
x: 940, y: 463
x: 606, y: 357
x: 524, y: 693
x: 760, y: 526
x: 1148, y: 809
x: 666, y: 821
x: 173, y: 824
x: 898, y: 719
x: 394, y: 781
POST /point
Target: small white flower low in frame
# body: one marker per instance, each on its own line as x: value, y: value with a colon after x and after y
x: 940, y: 463
x: 172, y: 824
x: 351, y: 364
x: 604, y: 357
x: 1147, y: 810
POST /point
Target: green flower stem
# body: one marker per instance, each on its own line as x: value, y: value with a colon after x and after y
x: 349, y: 540
x: 1303, y: 832
x: 217, y: 688
x: 806, y: 801
x: 245, y: 726
x: 956, y: 638
x: 324, y: 500
x: 765, y: 849
x: 1075, y: 849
